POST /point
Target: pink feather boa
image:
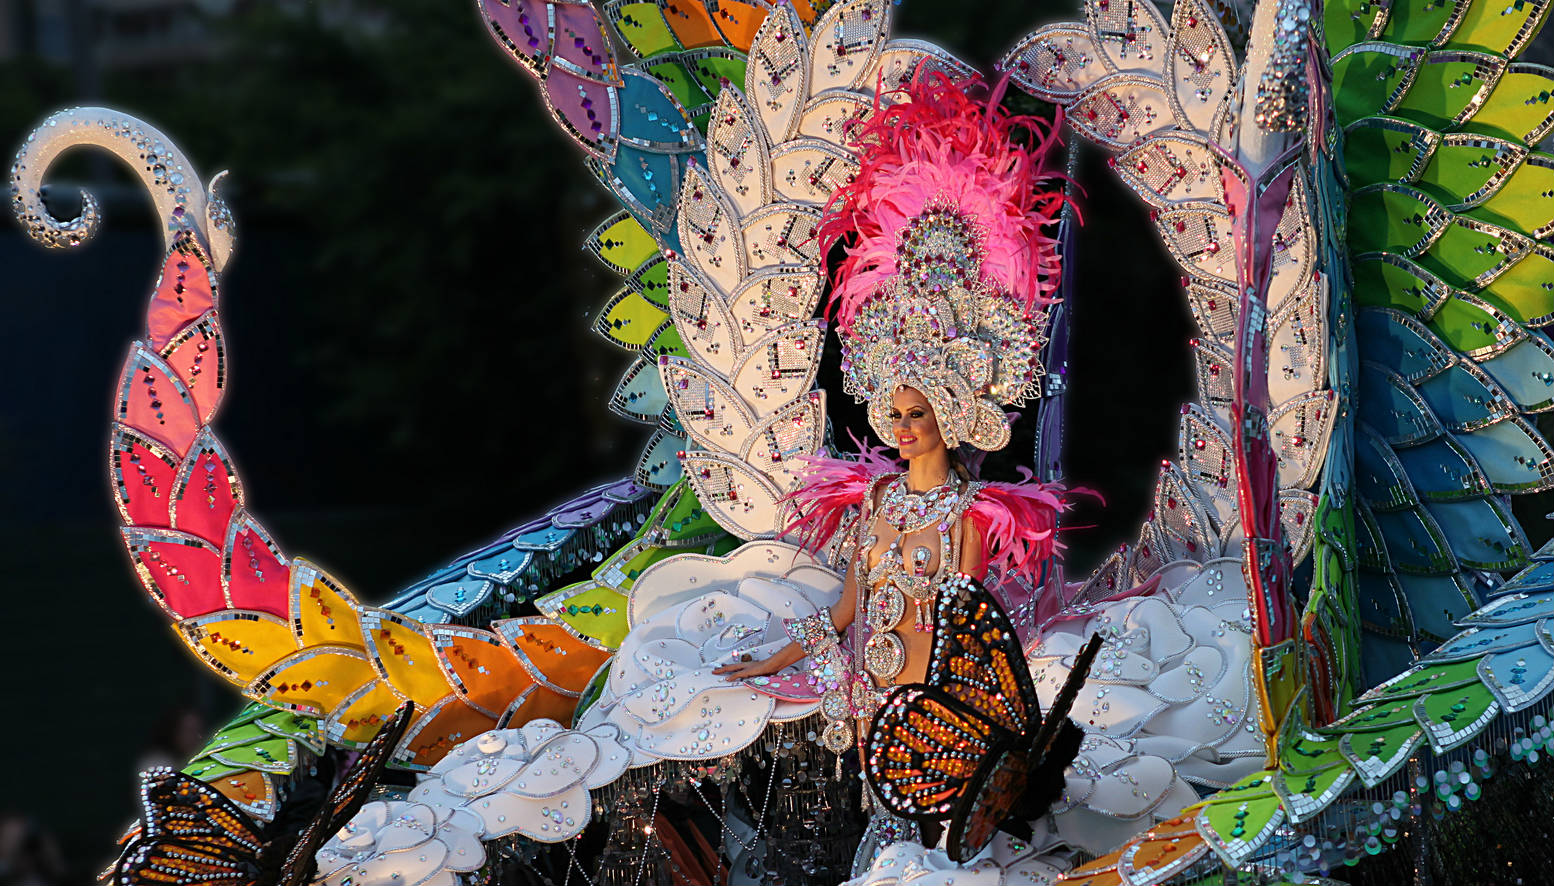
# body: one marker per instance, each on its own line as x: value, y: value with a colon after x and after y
x: 943, y: 146
x: 1017, y: 521
x: 829, y: 487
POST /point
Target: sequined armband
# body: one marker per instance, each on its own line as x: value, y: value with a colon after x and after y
x: 812, y: 632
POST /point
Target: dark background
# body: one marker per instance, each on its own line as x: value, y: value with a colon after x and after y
x: 407, y: 320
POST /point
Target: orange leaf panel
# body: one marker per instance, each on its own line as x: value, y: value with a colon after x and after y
x: 691, y: 23
x: 252, y: 791
x: 539, y: 703
x: 551, y: 653
x: 1157, y: 859
x: 1097, y: 868
x: 480, y: 667
x: 739, y: 22
x: 449, y: 722
x: 1108, y: 877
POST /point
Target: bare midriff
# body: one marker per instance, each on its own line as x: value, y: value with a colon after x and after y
x: 899, y: 574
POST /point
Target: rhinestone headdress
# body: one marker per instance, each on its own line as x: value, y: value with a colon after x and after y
x: 948, y: 266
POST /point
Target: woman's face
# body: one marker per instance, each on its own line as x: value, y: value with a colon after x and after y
x: 913, y: 422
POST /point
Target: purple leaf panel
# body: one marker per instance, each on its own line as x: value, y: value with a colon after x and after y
x: 585, y: 107
x: 522, y: 28
x: 581, y: 45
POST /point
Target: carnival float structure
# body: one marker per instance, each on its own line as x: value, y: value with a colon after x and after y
x: 1331, y: 635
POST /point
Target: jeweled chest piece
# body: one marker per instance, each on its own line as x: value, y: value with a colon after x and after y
x: 908, y: 511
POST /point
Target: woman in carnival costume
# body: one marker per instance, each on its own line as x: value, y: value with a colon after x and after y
x: 940, y: 304
x: 941, y: 308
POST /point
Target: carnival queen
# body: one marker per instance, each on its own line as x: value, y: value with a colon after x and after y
x: 941, y: 301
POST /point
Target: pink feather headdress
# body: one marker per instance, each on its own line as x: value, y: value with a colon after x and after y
x: 949, y: 264
x: 941, y: 146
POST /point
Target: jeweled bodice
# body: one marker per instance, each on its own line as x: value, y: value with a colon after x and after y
x: 907, y: 542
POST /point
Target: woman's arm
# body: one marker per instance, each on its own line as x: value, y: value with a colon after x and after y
x: 973, y: 557
x: 841, y: 616
x: 842, y: 613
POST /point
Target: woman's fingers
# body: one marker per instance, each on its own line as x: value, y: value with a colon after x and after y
x: 742, y: 670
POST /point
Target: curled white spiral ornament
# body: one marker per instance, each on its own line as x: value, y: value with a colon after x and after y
x: 183, y: 203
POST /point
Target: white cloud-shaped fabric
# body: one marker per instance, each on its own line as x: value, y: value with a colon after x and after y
x: 533, y: 781
x: 690, y: 615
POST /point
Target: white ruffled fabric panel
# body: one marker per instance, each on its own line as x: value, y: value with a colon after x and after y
x: 1006, y: 861
x: 1174, y: 677
x: 689, y: 616
x: 534, y: 781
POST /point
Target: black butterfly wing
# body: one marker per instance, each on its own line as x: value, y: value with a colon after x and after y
x: 189, y: 833
x: 925, y: 751
x: 346, y: 798
x: 1040, y: 768
x: 1061, y: 705
x: 977, y: 659
x: 996, y: 791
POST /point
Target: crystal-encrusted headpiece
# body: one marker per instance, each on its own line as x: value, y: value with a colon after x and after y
x: 948, y: 267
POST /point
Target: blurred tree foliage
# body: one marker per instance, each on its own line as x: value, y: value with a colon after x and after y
x: 431, y: 221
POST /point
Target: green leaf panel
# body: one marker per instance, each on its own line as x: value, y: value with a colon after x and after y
x: 1448, y: 87
x: 1521, y: 107
x: 1453, y: 717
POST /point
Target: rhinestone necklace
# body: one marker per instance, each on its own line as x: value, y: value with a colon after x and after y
x: 908, y: 511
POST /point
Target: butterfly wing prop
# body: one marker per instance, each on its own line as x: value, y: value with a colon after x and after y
x: 189, y: 833
x: 926, y: 749
x: 1016, y: 786
x: 1052, y: 725
x: 971, y: 745
x: 346, y: 798
x: 977, y: 659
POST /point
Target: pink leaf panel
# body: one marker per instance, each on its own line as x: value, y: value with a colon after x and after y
x: 154, y: 402
x: 181, y: 572
x: 186, y: 289
x: 143, y: 473
x: 206, y: 491
x: 253, y: 570
x: 197, y: 355
x: 785, y: 687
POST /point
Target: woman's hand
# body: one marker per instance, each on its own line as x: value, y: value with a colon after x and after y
x: 745, y: 668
